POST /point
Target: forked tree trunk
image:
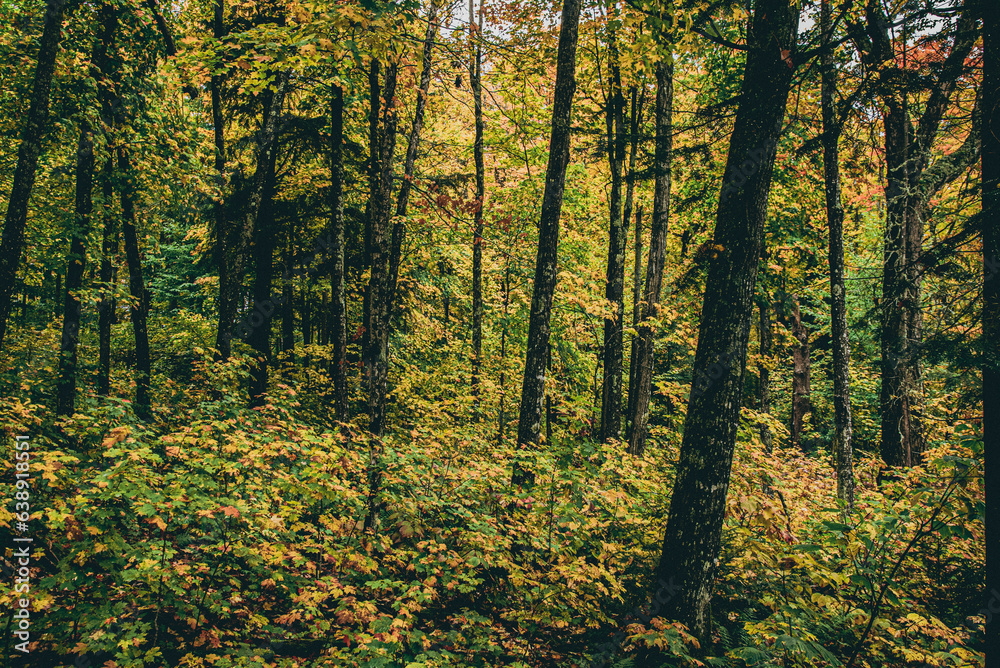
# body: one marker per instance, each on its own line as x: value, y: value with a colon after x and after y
x: 662, y: 159
x: 614, y: 292
x: 546, y: 262
x: 842, y: 447
x: 139, y: 303
x: 12, y: 244
x: 691, y: 543
x: 76, y: 262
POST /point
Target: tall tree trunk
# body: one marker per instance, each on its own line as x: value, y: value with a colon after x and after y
x: 376, y: 355
x: 662, y: 158
x: 763, y: 371
x: 243, y: 234
x: 76, y: 262
x: 263, y: 253
x: 288, y: 301
x: 633, y: 366
x: 229, y: 286
x: 405, y: 187
x: 139, y: 304
x: 910, y: 185
x: 698, y: 503
x: 635, y: 120
x: 338, y: 301
x: 546, y: 261
x: 109, y: 305
x: 842, y: 448
x: 614, y: 292
x: 991, y: 314
x: 801, y: 382
x: 477, y: 234
x: 12, y: 244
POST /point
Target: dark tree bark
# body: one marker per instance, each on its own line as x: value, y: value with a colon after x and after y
x: 12, y: 244
x: 244, y: 234
x: 288, y: 302
x: 636, y: 316
x: 338, y: 301
x: 991, y: 313
x: 763, y: 371
x: 109, y: 305
x: 403, y: 198
x: 908, y: 151
x: 662, y: 159
x: 76, y: 262
x: 263, y: 254
x: 376, y: 354
x: 546, y: 261
x: 801, y: 375
x: 842, y: 447
x: 635, y: 120
x: 228, y: 289
x: 477, y: 231
x: 614, y: 292
x: 698, y: 504
x: 139, y: 304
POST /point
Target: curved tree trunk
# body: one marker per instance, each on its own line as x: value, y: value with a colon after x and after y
x: 662, y: 160
x: 12, y: 244
x: 533, y: 385
x: 693, y: 534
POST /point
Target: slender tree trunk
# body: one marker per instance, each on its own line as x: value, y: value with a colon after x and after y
x: 633, y: 366
x: 229, y: 286
x: 698, y: 504
x: 657, y: 255
x: 533, y: 385
x: 614, y: 292
x: 338, y: 301
x: 842, y: 447
x: 12, y: 244
x: 307, y: 323
x: 377, y: 348
x: 635, y: 120
x: 288, y: 302
x: 109, y: 305
x: 801, y: 382
x: 405, y: 187
x: 991, y: 315
x: 139, y: 304
x: 502, y: 417
x: 477, y: 234
x: 76, y: 262
x: 763, y: 371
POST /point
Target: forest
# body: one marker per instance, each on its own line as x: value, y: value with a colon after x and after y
x: 582, y: 334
